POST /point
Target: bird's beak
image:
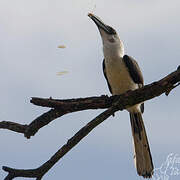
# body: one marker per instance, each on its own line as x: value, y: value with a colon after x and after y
x: 100, y: 24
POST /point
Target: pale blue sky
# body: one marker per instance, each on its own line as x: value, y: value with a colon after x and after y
x: 30, y: 33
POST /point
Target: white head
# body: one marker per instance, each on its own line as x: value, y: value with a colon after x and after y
x: 112, y: 45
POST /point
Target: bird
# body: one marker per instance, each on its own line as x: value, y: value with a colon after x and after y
x: 123, y: 74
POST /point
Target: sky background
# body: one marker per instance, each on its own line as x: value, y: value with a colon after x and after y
x: 30, y: 32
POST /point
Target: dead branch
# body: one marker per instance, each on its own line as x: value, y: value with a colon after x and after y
x: 13, y: 126
x: 38, y: 173
x: 61, y: 107
x: 78, y: 104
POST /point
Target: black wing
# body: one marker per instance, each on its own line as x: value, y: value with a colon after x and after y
x: 134, y: 70
x: 135, y: 73
x: 104, y: 71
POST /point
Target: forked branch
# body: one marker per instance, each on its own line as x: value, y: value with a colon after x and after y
x: 39, y: 172
x: 61, y: 107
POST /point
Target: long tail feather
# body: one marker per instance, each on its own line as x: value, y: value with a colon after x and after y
x: 142, y: 154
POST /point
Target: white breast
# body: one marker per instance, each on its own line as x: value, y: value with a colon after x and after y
x: 118, y: 76
x: 120, y: 80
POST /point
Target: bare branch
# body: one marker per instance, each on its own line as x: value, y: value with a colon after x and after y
x: 147, y: 92
x: 78, y: 104
x: 42, y: 121
x: 38, y: 173
x: 13, y: 126
x: 125, y: 100
x: 61, y: 107
x: 13, y: 173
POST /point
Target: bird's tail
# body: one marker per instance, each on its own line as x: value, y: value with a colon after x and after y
x: 142, y: 154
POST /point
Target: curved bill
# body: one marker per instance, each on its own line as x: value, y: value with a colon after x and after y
x: 100, y: 23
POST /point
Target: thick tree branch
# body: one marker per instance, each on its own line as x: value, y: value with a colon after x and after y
x: 147, y: 92
x: 61, y: 107
x: 128, y: 99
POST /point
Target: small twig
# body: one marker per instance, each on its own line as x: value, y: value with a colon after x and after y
x: 38, y: 173
x: 171, y: 88
x: 178, y: 67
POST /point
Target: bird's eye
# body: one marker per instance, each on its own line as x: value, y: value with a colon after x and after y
x: 112, y: 40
